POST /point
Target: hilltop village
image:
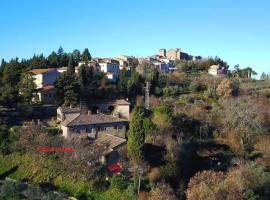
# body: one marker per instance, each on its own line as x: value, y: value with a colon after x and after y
x: 168, y: 126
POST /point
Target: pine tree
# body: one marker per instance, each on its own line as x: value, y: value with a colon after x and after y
x: 9, y: 95
x: 76, y: 55
x: 60, y: 51
x: 82, y: 77
x: 86, y: 56
x: 60, y: 83
x: 72, y: 93
x: 86, y: 80
x: 53, y: 60
x: 27, y: 88
x: 71, y: 67
x: 136, y: 136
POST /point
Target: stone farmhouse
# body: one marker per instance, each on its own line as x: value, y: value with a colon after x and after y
x: 217, y: 70
x: 105, y: 124
x: 104, y: 116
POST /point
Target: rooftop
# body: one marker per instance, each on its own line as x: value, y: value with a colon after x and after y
x: 88, y: 119
x: 109, y: 141
x: 109, y: 60
x: 40, y: 71
x: 110, y: 101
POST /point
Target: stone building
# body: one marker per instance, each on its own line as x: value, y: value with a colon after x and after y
x: 104, y: 116
x: 106, y: 131
x: 217, y: 70
x: 93, y: 124
x: 162, y: 53
x: 174, y: 54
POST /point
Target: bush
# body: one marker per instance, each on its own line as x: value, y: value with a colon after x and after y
x: 163, y: 117
x: 154, y: 176
x: 52, y: 131
x: 240, y: 182
x: 118, y: 182
x: 254, y: 154
x: 148, y: 125
x: 99, y: 185
x: 225, y: 88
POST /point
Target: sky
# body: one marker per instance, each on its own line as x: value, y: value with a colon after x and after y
x: 238, y: 31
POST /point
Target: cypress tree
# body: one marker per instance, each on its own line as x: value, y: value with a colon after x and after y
x: 136, y: 136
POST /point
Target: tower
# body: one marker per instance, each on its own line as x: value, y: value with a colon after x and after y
x: 178, y: 54
x: 162, y: 52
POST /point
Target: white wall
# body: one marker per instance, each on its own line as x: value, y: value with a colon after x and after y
x: 112, y: 68
x: 123, y: 110
x: 47, y: 78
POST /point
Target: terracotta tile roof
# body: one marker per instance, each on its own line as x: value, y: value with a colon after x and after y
x: 40, y: 71
x: 100, y: 118
x: 70, y: 118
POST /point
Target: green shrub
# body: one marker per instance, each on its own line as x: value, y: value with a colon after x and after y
x: 99, y: 184
x: 52, y: 131
x: 118, y: 182
x: 254, y: 154
x: 148, y: 125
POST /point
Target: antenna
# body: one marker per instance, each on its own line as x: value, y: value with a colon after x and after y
x: 147, y: 92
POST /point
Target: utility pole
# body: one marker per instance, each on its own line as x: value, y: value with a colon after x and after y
x: 147, y: 93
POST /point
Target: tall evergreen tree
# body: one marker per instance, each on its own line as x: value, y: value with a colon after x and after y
x: 86, y: 80
x: 76, y: 55
x: 9, y: 95
x: 136, y: 136
x: 53, y: 60
x: 60, y: 51
x: 123, y: 81
x: 60, y: 83
x: 82, y: 77
x: 27, y: 88
x: 71, y: 67
x: 86, y: 56
x: 72, y: 93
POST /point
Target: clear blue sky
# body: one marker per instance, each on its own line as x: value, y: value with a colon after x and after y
x: 236, y: 30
